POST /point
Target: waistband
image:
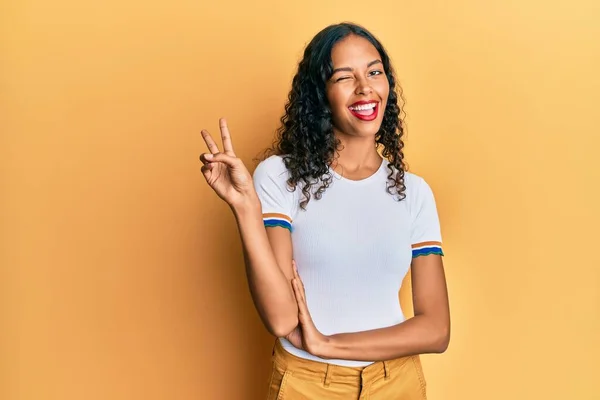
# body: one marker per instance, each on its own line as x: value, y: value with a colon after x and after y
x: 327, y: 373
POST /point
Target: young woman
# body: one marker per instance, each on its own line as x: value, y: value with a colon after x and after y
x: 330, y: 228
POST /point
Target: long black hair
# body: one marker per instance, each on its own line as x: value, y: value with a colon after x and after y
x: 305, y: 138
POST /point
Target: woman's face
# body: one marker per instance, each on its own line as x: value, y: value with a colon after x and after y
x: 358, y: 89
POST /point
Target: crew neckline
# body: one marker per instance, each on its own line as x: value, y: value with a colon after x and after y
x: 369, y: 178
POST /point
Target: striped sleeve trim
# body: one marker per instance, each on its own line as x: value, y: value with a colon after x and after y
x: 426, y: 248
x: 275, y: 219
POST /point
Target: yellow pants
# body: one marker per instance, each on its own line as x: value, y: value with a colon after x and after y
x: 295, y: 378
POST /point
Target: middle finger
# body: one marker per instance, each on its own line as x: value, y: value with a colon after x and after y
x: 226, y: 137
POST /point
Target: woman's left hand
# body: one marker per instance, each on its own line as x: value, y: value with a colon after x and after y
x: 306, y: 336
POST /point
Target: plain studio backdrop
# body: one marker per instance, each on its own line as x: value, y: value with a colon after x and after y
x: 122, y: 272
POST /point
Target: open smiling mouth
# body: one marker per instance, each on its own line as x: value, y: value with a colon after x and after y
x: 365, y: 110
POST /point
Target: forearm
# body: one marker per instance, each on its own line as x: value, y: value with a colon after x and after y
x: 270, y: 289
x: 418, y: 335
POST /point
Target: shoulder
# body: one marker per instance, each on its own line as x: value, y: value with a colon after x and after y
x: 418, y: 192
x: 414, y: 183
x: 271, y: 169
x: 272, y: 174
x: 271, y: 184
x: 272, y: 166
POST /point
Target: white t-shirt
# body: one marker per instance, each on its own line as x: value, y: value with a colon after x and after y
x: 353, y: 247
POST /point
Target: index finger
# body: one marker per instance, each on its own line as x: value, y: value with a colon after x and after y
x: 226, y: 137
x: 210, y: 143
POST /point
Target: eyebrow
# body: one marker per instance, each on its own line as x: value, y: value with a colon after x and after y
x: 348, y: 69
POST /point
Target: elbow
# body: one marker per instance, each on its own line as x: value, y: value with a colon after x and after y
x: 282, y: 326
x: 281, y: 321
x: 441, y: 340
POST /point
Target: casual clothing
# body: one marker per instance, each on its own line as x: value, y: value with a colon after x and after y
x: 298, y: 378
x: 353, y: 248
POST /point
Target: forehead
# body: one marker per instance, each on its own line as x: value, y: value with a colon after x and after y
x: 353, y: 50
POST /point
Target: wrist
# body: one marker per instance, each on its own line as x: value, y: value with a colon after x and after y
x: 326, y: 347
x: 249, y: 204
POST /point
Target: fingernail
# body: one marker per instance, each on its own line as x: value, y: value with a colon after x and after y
x: 208, y: 156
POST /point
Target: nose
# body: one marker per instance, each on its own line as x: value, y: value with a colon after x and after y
x: 363, y: 87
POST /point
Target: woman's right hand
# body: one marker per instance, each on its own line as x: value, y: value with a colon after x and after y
x: 224, y: 172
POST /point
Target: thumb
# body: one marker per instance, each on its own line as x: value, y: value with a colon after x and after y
x: 230, y: 161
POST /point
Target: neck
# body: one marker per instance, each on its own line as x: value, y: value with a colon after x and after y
x: 357, y: 153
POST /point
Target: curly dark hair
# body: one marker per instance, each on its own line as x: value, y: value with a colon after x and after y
x: 305, y: 139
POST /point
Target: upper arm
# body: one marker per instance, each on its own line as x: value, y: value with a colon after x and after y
x: 279, y: 206
x: 280, y: 240
x: 430, y: 295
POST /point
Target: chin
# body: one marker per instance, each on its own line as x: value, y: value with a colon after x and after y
x: 369, y: 129
x: 359, y: 128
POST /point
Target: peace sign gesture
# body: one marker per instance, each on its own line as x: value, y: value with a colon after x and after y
x: 224, y: 172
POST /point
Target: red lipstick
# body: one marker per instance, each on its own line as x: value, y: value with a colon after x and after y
x: 361, y: 110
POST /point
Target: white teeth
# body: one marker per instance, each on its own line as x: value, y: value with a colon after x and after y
x: 363, y: 107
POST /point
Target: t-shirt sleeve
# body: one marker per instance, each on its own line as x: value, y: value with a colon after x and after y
x: 426, y: 235
x: 277, y: 201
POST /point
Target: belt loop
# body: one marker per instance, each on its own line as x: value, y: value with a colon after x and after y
x: 328, y: 373
x: 386, y: 369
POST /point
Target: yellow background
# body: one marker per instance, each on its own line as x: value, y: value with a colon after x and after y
x: 122, y: 272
